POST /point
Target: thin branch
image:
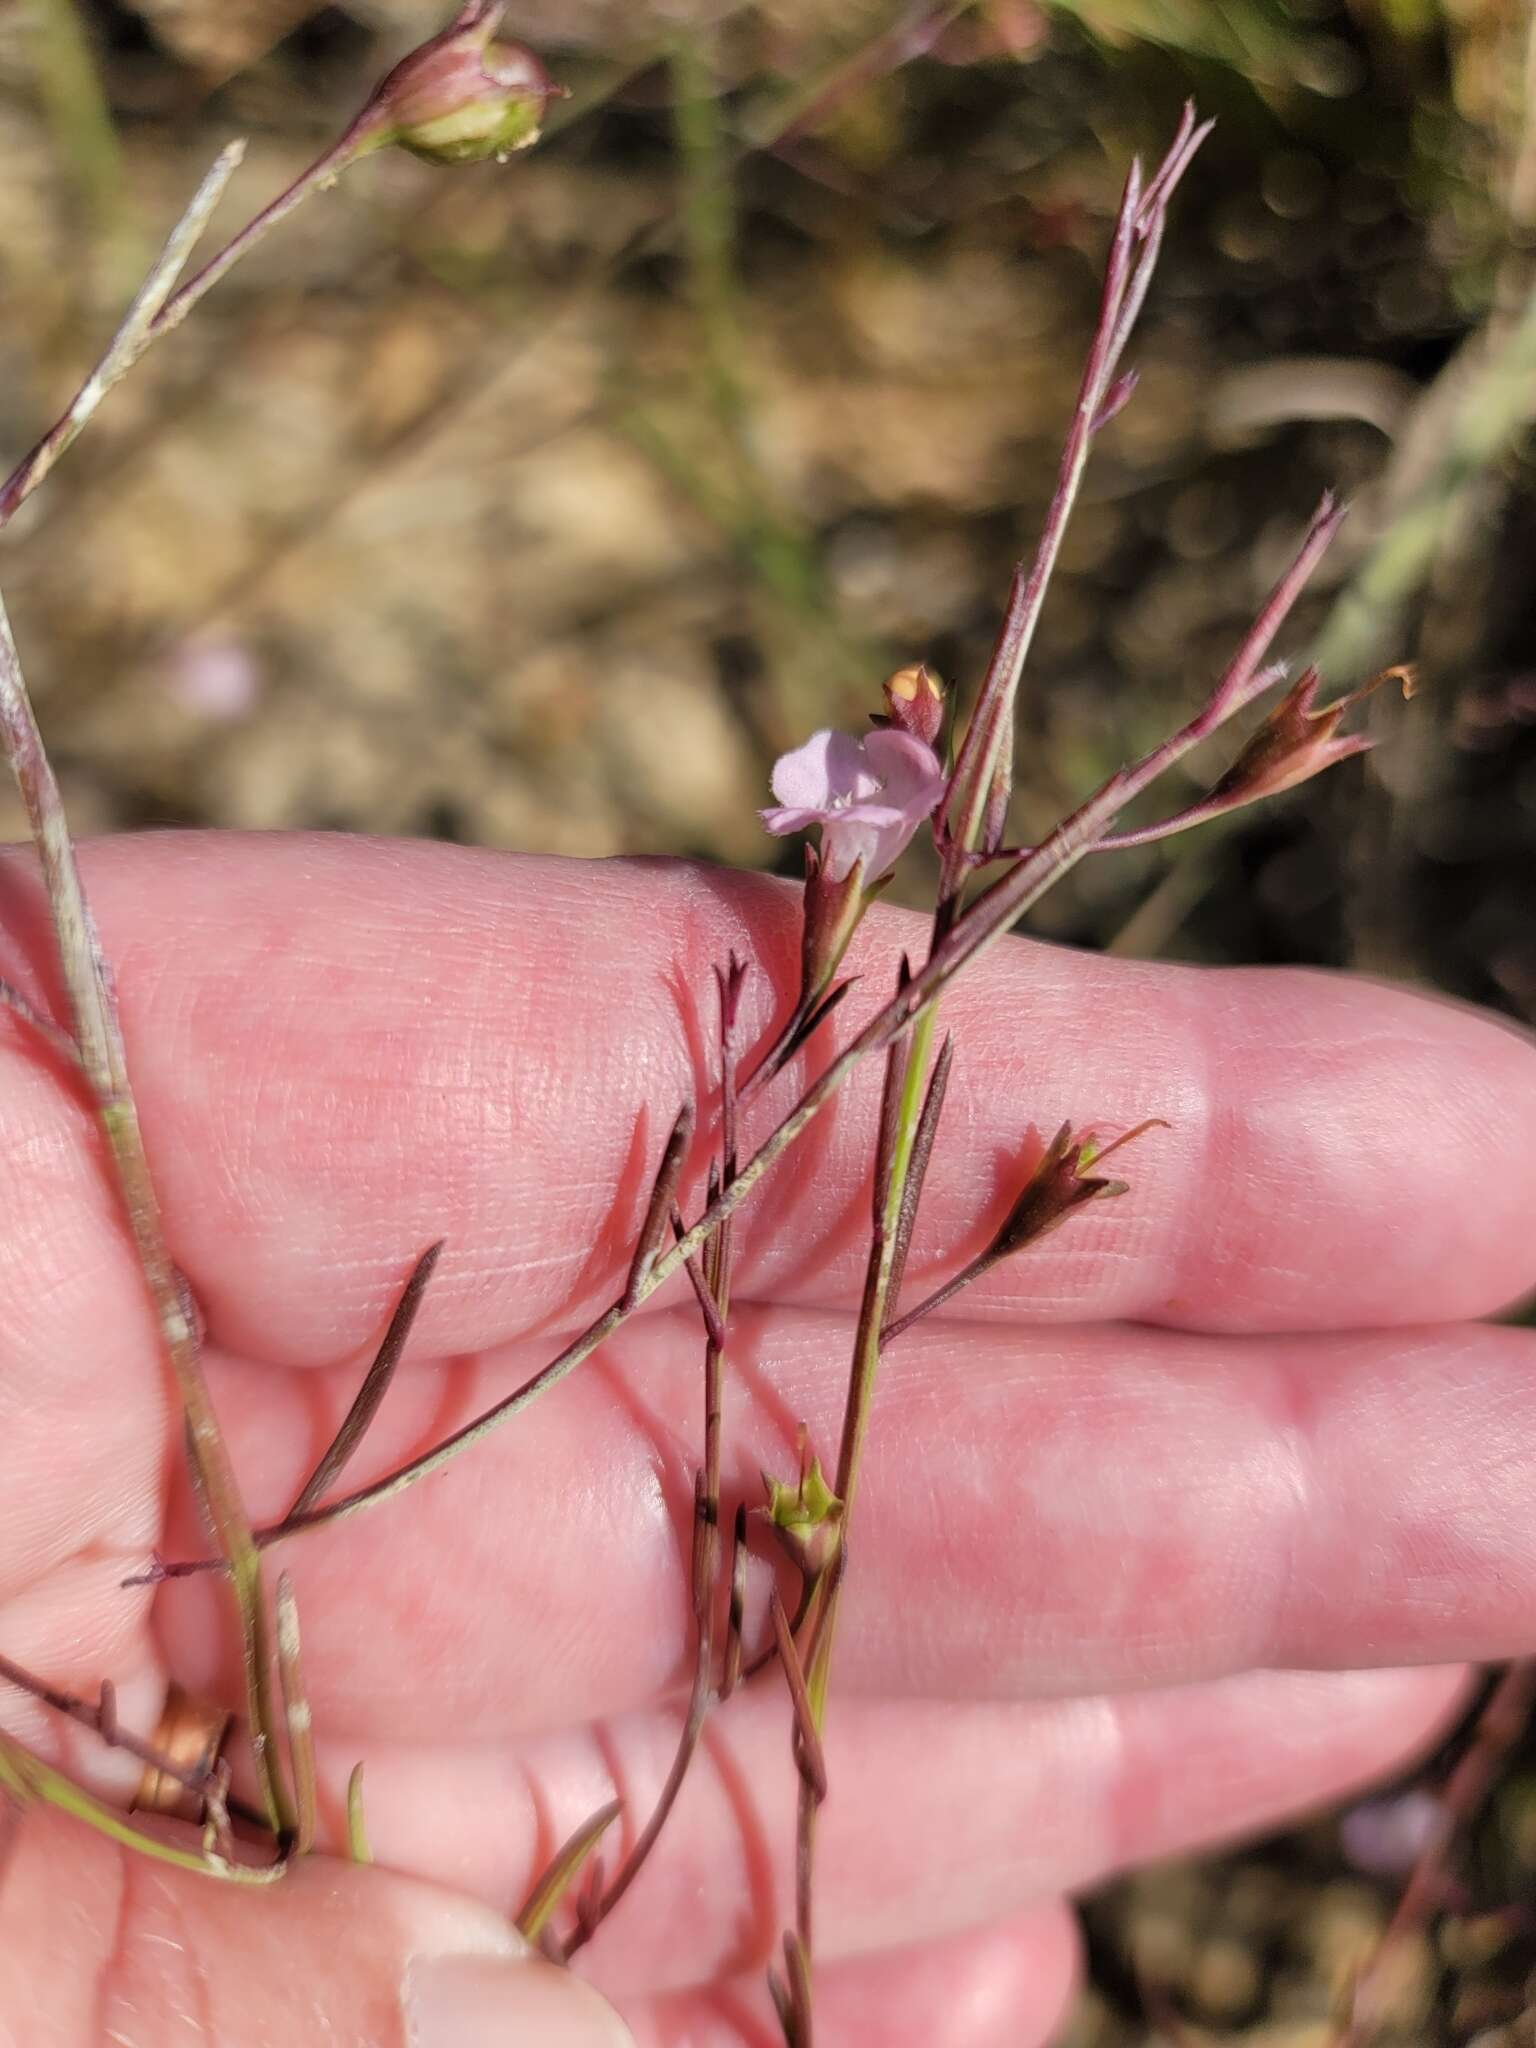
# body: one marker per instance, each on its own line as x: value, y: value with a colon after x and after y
x: 53, y: 1036
x: 984, y: 767
x: 715, y: 1287
x: 706, y: 1301
x: 132, y: 337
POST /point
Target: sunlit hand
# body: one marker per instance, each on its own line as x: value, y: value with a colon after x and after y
x: 1143, y: 1518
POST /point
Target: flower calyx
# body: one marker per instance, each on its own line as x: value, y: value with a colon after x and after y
x: 463, y: 96
x: 1298, y: 740
x: 807, y: 1519
x: 1063, y: 1181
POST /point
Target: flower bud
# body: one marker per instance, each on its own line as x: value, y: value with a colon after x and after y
x: 462, y: 97
x: 914, y: 702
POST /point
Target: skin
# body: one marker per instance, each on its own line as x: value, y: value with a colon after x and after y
x: 1180, y: 1523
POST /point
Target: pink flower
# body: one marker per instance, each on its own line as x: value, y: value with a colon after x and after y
x: 868, y: 796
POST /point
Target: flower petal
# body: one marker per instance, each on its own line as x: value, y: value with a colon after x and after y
x: 909, y: 771
x: 847, y: 837
x: 801, y: 777
x: 790, y: 818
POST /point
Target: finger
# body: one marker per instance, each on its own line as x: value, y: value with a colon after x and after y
x: 939, y: 1818
x: 100, y: 1945
x: 1000, y: 1987
x: 345, y: 1051
x: 1072, y: 1511
x: 82, y: 1392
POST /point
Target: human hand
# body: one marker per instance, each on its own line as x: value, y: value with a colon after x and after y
x: 1139, y: 1517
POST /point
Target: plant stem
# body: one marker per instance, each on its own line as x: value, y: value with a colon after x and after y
x: 93, y: 1016
x: 706, y: 1533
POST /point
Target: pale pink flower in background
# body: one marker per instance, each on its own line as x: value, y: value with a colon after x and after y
x: 217, y: 678
x: 1386, y: 1837
x: 868, y: 796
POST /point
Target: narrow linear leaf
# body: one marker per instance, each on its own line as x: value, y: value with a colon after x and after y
x: 779, y: 1992
x: 663, y: 1199
x: 791, y: 1993
x: 917, y: 1168
x: 799, y: 1966
x: 376, y: 1383
x: 713, y: 1324
x: 890, y: 1107
x: 809, y: 1759
x: 357, y: 1825
x: 565, y: 1870
x: 798, y: 1033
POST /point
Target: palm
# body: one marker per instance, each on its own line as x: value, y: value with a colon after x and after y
x: 1224, y: 1436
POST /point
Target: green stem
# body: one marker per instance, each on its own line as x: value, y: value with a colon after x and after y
x: 873, y: 1309
x: 822, y: 1618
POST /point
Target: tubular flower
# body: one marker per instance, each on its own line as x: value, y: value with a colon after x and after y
x: 869, y: 797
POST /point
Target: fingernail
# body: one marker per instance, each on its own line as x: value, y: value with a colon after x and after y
x: 496, y: 2002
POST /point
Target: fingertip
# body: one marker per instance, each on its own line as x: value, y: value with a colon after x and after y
x: 1370, y: 1158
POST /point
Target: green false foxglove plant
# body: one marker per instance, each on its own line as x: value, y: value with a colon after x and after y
x: 460, y: 97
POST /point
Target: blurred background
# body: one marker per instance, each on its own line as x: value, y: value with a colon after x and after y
x: 541, y: 505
